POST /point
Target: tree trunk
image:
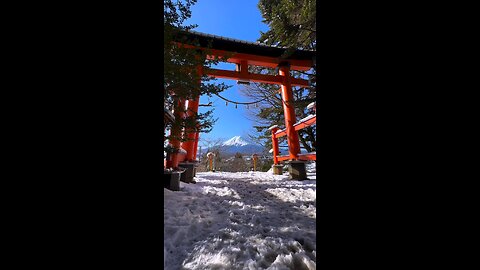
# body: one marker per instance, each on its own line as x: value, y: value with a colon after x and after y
x: 304, y: 142
x: 311, y: 138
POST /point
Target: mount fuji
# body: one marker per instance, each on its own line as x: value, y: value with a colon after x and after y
x: 235, y: 141
x: 240, y: 145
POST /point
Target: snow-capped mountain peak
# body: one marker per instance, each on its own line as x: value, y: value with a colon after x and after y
x: 235, y: 141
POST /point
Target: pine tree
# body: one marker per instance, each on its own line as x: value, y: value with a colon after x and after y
x: 292, y: 24
x: 181, y: 77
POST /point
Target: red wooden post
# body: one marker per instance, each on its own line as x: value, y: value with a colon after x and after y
x: 190, y: 135
x: 195, y: 145
x: 176, y: 132
x: 289, y: 112
x: 189, y: 143
x: 275, y: 145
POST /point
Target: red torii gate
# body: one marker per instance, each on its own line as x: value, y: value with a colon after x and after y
x: 244, y: 54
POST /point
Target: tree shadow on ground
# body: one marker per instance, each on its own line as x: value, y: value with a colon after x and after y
x: 256, y: 229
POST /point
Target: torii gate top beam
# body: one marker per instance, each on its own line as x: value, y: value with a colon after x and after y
x: 254, y: 53
x: 244, y: 54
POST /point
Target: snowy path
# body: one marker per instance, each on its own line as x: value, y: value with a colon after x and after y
x: 251, y: 220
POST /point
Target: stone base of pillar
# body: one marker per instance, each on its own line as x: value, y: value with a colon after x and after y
x: 171, y: 180
x: 277, y: 169
x: 297, y: 170
x: 188, y: 174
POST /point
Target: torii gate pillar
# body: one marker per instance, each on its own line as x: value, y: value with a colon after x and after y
x: 191, y: 142
x: 190, y: 134
x: 297, y: 168
x: 175, y: 134
x: 289, y: 112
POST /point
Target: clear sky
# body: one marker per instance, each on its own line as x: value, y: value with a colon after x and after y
x: 239, y: 19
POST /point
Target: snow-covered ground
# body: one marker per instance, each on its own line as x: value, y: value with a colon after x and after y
x: 249, y: 220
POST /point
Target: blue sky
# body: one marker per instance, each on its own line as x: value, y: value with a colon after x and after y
x: 239, y: 19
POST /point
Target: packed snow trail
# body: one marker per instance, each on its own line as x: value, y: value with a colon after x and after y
x: 250, y: 220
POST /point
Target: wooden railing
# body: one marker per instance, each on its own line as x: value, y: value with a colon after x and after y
x: 277, y: 133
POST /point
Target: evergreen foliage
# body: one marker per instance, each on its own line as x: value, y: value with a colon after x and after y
x: 292, y: 24
x: 182, y: 77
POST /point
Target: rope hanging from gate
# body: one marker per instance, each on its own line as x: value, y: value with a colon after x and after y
x: 244, y: 103
x: 254, y: 102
